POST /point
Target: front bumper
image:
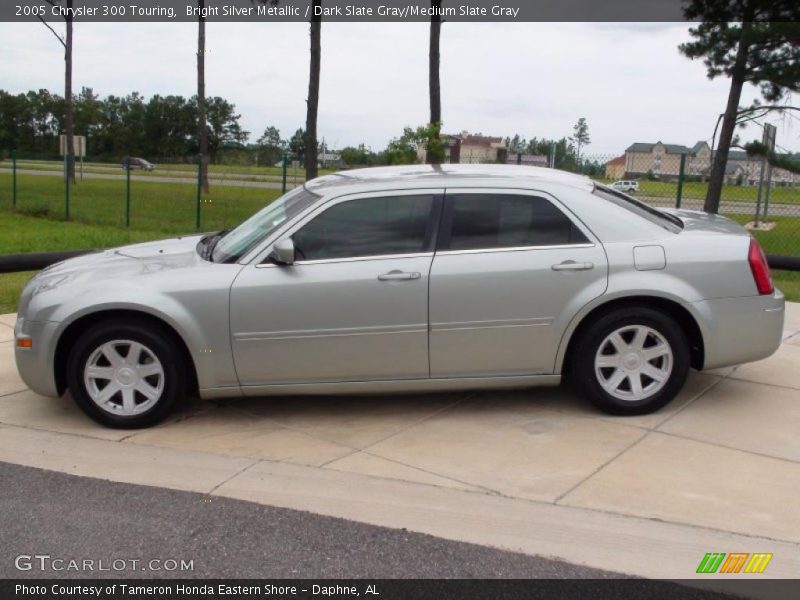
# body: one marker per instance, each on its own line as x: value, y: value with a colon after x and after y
x: 36, y: 364
x: 740, y: 330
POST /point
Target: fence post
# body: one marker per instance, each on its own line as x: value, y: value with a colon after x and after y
x: 681, y: 178
x: 14, y: 178
x: 283, y: 176
x: 128, y: 192
x: 66, y: 186
x: 199, y: 192
x: 767, y: 193
x: 760, y: 186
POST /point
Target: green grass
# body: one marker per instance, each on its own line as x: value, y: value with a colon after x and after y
x: 789, y: 283
x: 98, y: 215
x: 11, y: 285
x: 20, y: 233
x: 697, y: 190
x: 730, y: 193
x: 784, y: 238
x: 166, y: 207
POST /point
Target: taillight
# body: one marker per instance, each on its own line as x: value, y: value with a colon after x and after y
x: 760, y: 268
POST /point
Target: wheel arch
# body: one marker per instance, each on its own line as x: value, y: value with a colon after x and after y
x: 674, y: 309
x: 71, y: 333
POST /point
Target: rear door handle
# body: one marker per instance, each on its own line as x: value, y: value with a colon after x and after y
x: 571, y: 265
x: 398, y: 276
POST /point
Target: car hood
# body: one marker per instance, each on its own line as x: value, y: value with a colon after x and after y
x: 127, y: 260
x: 703, y: 222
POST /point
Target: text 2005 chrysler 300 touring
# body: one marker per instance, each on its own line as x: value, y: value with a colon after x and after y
x: 407, y: 279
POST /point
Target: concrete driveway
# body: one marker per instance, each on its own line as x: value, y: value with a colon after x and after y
x: 537, y: 471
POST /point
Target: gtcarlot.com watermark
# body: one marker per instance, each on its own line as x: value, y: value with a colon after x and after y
x: 46, y: 563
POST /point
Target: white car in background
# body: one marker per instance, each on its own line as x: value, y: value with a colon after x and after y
x: 626, y: 185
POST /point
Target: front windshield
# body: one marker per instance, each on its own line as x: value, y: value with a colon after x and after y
x: 248, y: 234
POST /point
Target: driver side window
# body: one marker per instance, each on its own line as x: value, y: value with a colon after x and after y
x: 367, y: 227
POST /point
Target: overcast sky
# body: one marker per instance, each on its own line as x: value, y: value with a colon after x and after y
x: 536, y: 79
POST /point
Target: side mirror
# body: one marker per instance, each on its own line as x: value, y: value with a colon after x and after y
x: 282, y: 252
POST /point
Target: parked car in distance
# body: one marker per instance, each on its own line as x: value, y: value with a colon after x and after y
x: 406, y: 279
x: 626, y: 185
x: 132, y: 163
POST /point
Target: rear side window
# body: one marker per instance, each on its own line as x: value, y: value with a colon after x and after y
x: 487, y: 221
x: 367, y: 227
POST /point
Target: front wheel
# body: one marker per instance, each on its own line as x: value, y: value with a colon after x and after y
x: 631, y: 361
x: 126, y: 375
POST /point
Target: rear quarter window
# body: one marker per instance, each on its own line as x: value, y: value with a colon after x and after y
x: 655, y: 216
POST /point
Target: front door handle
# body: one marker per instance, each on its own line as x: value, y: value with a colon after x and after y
x: 398, y: 276
x: 571, y: 265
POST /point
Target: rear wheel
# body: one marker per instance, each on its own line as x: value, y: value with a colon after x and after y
x: 126, y: 375
x: 631, y: 361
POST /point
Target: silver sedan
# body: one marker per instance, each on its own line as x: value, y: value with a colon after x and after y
x: 407, y: 279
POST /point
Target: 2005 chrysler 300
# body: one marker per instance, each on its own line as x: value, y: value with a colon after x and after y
x: 407, y: 279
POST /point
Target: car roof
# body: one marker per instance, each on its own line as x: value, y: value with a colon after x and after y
x: 453, y: 175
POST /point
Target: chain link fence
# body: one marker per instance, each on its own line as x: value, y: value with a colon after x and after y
x: 146, y: 195
x: 169, y: 197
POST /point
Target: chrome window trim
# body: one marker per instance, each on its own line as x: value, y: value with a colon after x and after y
x: 349, y: 259
x: 512, y: 249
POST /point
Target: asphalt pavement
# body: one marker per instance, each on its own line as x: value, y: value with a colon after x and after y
x: 52, y: 523
x: 77, y: 518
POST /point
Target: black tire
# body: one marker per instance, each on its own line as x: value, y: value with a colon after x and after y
x: 588, y: 344
x: 159, y: 342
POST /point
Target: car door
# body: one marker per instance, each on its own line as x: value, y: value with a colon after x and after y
x: 354, y: 305
x: 511, y: 269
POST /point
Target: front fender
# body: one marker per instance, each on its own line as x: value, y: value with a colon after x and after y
x: 201, y: 321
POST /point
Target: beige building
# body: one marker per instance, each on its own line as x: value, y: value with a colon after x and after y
x: 615, y: 168
x: 469, y: 148
x: 664, y: 160
x: 481, y: 149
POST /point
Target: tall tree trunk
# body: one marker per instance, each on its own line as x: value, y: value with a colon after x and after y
x: 434, y: 87
x: 313, y: 93
x: 69, y: 118
x: 717, y: 179
x: 202, y: 130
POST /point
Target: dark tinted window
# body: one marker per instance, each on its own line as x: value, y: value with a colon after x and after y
x: 505, y: 221
x: 367, y: 227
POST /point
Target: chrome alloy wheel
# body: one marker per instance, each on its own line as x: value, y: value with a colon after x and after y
x: 633, y: 363
x: 124, y: 377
